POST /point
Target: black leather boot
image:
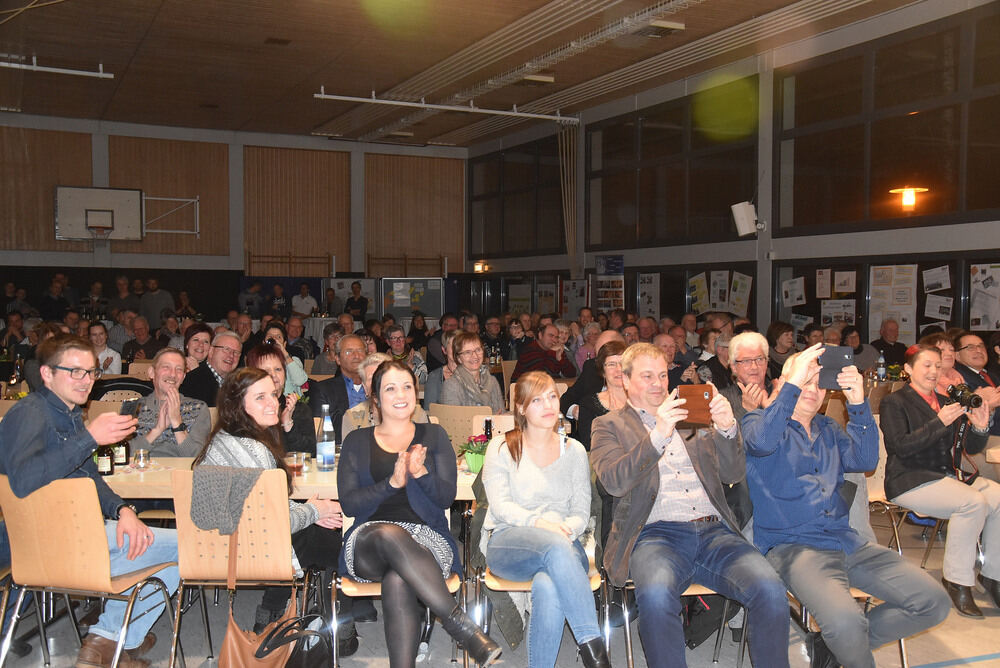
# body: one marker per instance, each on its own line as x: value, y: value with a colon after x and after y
x: 992, y: 588
x: 961, y: 596
x: 482, y: 650
x: 594, y: 654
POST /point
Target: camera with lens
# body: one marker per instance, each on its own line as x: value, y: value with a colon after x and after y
x: 963, y: 395
x: 270, y: 342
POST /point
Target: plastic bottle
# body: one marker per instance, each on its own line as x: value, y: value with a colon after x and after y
x: 326, y: 442
x: 880, y: 367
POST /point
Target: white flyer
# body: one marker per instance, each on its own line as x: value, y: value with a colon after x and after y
x: 793, y: 291
x: 984, y: 302
x: 719, y: 295
x: 936, y: 279
x: 649, y: 296
x: 822, y: 284
x: 938, y: 307
x: 837, y: 310
x: 844, y: 281
x: 401, y: 294
x: 698, y: 291
x: 739, y: 294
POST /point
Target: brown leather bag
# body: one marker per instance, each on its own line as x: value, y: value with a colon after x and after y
x: 239, y: 647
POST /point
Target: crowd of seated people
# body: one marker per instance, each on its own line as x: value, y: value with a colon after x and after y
x: 668, y: 519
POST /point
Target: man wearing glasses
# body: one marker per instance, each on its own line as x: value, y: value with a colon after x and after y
x: 44, y: 438
x: 748, y: 360
x: 345, y: 390
x: 971, y: 363
x: 204, y: 382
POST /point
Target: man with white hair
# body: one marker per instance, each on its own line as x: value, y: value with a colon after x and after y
x: 888, y: 343
x: 748, y: 360
x: 204, y: 382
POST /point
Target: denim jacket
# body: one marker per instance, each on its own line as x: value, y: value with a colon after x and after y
x: 42, y: 440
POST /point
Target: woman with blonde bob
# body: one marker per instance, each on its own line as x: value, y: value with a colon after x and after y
x: 538, y: 486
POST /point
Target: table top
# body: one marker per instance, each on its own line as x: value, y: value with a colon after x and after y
x: 155, y: 483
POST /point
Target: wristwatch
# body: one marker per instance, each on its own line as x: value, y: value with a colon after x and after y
x: 181, y: 427
x: 118, y: 510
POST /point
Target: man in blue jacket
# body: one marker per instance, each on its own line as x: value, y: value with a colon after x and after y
x: 44, y: 438
x: 796, y: 462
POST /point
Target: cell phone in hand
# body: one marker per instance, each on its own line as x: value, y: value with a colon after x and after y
x: 129, y: 407
x: 696, y: 399
x: 831, y: 362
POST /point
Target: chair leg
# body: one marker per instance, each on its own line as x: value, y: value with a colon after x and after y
x: 334, y: 584
x: 930, y: 543
x: 72, y: 618
x: 606, y: 609
x: 904, y: 661
x: 176, y: 631
x: 204, y: 618
x: 743, y: 639
x: 722, y: 628
x: 40, y: 615
x: 629, y: 660
x: 9, y: 636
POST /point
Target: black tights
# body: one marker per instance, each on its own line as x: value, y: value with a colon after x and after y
x: 410, y: 577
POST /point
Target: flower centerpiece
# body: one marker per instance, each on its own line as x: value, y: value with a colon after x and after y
x: 475, y: 451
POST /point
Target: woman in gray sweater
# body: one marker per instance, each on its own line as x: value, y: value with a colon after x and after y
x: 538, y: 486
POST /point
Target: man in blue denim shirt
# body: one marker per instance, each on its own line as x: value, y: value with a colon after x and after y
x: 796, y: 462
x: 44, y: 438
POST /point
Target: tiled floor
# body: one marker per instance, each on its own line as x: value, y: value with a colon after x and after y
x: 956, y: 642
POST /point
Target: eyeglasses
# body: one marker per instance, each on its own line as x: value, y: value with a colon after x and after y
x: 612, y: 365
x: 353, y: 351
x: 398, y: 337
x: 76, y: 373
x: 229, y: 351
x: 474, y: 352
x: 753, y: 361
x: 974, y: 346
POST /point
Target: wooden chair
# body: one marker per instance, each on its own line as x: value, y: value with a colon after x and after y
x: 213, y: 415
x: 6, y: 405
x: 456, y: 421
x: 121, y: 395
x: 265, y: 544
x: 878, y: 393
x: 95, y: 408
x: 508, y: 371
x: 140, y: 369
x: 308, y: 366
x: 501, y: 423
x: 64, y: 518
x: 837, y: 409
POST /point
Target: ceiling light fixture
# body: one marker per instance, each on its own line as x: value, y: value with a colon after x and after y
x: 35, y: 67
x: 909, y: 196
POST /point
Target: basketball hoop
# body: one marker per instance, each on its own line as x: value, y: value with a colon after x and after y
x: 100, y: 233
x: 100, y: 223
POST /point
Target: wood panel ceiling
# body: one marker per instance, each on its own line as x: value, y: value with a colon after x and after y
x: 254, y: 65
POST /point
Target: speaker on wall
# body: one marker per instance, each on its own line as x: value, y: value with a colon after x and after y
x: 745, y: 217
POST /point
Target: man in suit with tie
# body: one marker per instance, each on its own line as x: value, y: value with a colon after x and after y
x: 971, y: 358
x: 671, y: 524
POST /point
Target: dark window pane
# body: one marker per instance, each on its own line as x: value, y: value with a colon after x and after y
x: 715, y: 183
x: 519, y: 221
x: 821, y: 93
x: 984, y: 138
x: 613, y: 146
x: 518, y: 169
x: 916, y: 70
x: 550, y: 219
x: 823, y: 178
x: 987, y: 58
x: 919, y: 149
x: 548, y: 161
x: 661, y: 203
x: 612, y: 210
x: 485, y: 176
x: 724, y: 114
x: 662, y: 133
x: 484, y: 235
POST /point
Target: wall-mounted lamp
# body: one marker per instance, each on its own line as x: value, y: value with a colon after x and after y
x: 909, y: 196
x: 480, y: 267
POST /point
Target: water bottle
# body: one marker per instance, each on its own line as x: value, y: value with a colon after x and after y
x: 326, y: 442
x: 488, y: 429
x: 880, y: 367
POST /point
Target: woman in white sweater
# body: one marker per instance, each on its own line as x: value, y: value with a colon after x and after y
x: 538, y: 486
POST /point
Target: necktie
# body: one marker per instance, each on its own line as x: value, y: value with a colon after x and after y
x: 986, y: 377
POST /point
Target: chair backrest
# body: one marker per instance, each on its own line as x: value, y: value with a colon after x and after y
x: 265, y: 540
x: 433, y: 419
x: 140, y: 369
x: 837, y: 409
x: 561, y: 388
x: 213, y: 415
x: 878, y: 393
x: 308, y: 366
x: 95, y: 408
x: 320, y: 377
x: 456, y: 421
x: 508, y: 371
x: 57, y: 535
x: 876, y: 480
x: 501, y: 423
x: 121, y: 395
x: 897, y: 385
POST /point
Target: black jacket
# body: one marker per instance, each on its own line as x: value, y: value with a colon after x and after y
x: 333, y: 392
x: 975, y: 381
x: 589, y: 381
x: 201, y: 384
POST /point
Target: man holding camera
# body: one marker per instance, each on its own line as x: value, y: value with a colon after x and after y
x: 796, y: 460
x: 970, y: 353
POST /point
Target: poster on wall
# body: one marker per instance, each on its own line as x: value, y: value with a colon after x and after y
x: 836, y: 310
x: 546, y: 293
x: 608, y: 291
x: 649, y: 296
x: 719, y: 293
x: 793, y: 291
x: 893, y: 296
x: 519, y: 298
x: 698, y: 293
x: 822, y: 284
x: 574, y: 297
x: 984, y: 297
x: 739, y: 294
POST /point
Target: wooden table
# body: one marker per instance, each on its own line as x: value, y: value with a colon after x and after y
x: 155, y: 484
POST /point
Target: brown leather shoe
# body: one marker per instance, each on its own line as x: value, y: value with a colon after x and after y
x: 98, y: 652
x: 961, y: 596
x: 146, y: 645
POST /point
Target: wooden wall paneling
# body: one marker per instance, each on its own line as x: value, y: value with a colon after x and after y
x: 297, y: 201
x: 172, y: 168
x: 414, y: 206
x: 32, y: 164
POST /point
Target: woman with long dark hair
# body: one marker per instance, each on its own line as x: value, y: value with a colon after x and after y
x: 397, y: 480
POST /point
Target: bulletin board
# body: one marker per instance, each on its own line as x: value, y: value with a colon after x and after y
x: 402, y: 296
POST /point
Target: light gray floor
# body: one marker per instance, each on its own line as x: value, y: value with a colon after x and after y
x: 958, y: 641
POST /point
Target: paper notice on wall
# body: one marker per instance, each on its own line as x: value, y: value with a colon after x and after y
x: 984, y: 301
x: 837, y: 310
x: 719, y: 295
x: 938, y: 307
x: 937, y: 279
x: 798, y: 321
x: 793, y: 291
x: 845, y: 281
x: 401, y: 294
x: 698, y: 292
x: 649, y: 296
x: 574, y: 297
x: 822, y: 284
x: 893, y: 296
x: 519, y: 297
x: 739, y: 294
x: 546, y: 297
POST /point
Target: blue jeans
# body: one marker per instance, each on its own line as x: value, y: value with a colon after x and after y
x: 163, y: 549
x: 560, y: 588
x: 669, y: 556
